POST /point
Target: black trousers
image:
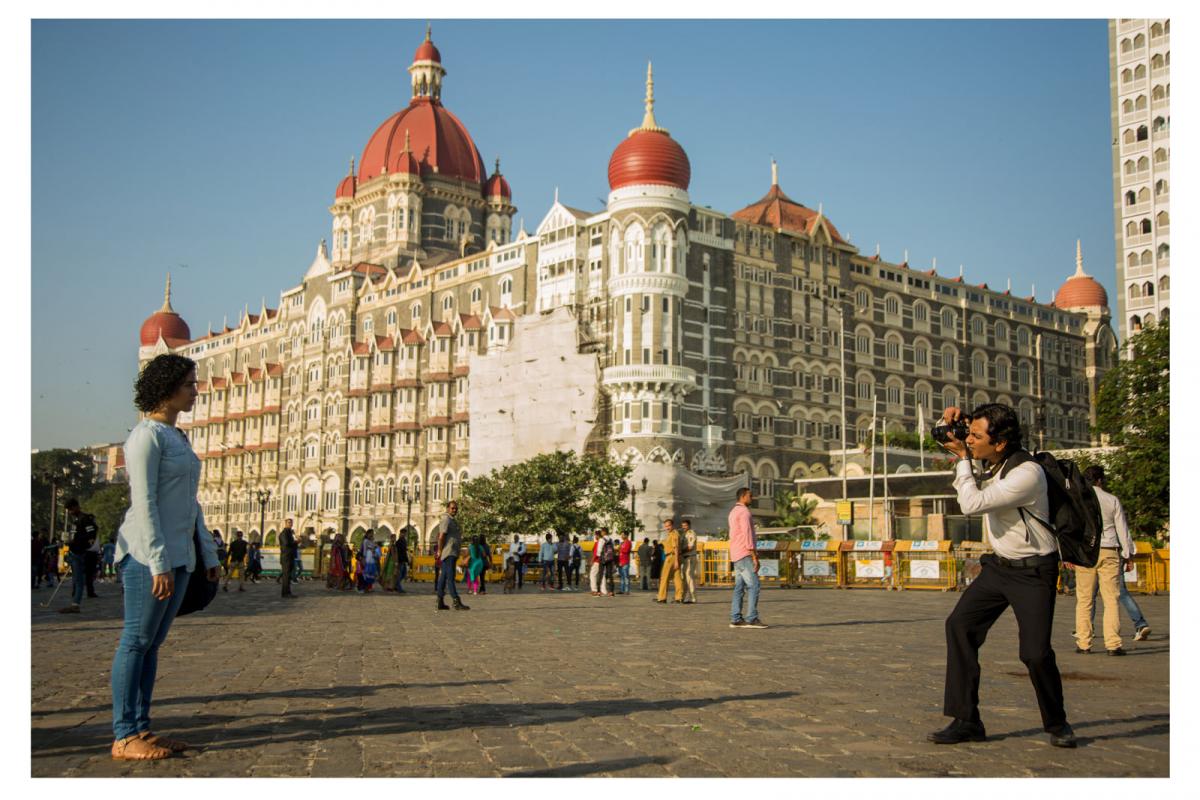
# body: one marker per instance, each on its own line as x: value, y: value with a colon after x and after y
x: 563, y: 569
x: 1031, y: 592
x: 91, y: 562
x: 287, y: 564
x: 644, y: 571
x: 573, y: 573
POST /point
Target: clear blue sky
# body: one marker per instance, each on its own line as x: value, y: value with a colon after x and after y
x: 218, y: 145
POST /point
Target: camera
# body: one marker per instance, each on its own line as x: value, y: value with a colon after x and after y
x: 960, y: 428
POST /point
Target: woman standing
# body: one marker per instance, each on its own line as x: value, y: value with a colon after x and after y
x: 156, y: 548
x: 369, y: 558
x: 387, y: 574
x: 337, y: 565
x: 475, y: 566
x: 657, y: 556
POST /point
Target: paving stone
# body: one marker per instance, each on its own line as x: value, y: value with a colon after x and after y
x: 843, y: 684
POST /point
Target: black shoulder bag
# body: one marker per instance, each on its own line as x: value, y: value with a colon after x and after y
x: 200, y: 590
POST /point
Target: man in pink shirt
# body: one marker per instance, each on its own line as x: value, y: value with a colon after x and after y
x: 743, y: 557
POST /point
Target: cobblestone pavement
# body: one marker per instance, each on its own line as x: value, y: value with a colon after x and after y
x: 844, y: 683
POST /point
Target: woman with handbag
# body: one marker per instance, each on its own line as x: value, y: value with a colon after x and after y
x: 156, y: 549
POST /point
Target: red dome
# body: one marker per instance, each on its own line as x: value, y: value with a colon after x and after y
x: 497, y: 186
x: 345, y: 188
x: 169, y: 324
x: 427, y: 52
x: 649, y: 157
x: 1080, y: 291
x: 439, y: 142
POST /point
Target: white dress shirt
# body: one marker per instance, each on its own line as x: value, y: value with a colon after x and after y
x: 999, y: 502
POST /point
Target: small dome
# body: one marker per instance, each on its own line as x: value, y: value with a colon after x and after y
x: 497, y: 186
x: 346, y: 188
x: 166, y: 323
x: 426, y: 51
x: 1080, y: 290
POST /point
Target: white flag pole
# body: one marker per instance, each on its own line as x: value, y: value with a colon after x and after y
x: 887, y: 517
x: 871, y: 444
x: 921, y: 434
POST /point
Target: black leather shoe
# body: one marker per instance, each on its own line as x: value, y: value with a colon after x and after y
x: 1120, y: 651
x: 442, y: 606
x: 960, y: 730
x: 458, y: 605
x: 1064, y: 738
x: 1081, y: 651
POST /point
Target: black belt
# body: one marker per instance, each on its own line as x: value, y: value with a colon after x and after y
x: 1031, y: 561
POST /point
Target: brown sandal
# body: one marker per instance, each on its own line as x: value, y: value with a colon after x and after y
x: 174, y: 745
x: 135, y: 748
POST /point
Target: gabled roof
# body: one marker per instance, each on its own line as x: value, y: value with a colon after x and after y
x: 274, y: 370
x: 361, y: 348
x: 502, y: 313
x: 470, y: 322
x: 776, y: 210
x: 385, y: 343
x: 413, y: 337
x: 442, y: 329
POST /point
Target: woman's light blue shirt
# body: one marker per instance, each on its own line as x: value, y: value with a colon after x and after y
x: 164, y: 476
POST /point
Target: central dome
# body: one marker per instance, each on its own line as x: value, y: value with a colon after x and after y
x: 649, y: 155
x: 437, y: 140
x: 1080, y: 290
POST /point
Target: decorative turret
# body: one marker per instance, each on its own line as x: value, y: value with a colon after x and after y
x: 426, y: 70
x: 1080, y: 291
x: 649, y: 155
x: 165, y: 323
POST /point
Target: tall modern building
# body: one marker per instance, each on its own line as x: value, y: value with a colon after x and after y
x: 706, y: 349
x: 1139, y: 57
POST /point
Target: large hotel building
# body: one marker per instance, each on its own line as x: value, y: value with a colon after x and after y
x: 1139, y: 57
x: 430, y: 343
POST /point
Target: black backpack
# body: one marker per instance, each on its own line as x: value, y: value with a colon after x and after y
x: 1075, y: 518
x: 607, y: 554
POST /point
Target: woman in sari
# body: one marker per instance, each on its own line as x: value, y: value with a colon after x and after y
x: 369, y: 558
x: 338, y: 568
x: 387, y: 573
x: 476, y: 565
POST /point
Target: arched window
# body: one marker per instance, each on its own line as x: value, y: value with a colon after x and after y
x: 1164, y: 251
x: 862, y: 299
x: 415, y: 313
x: 1143, y: 133
x: 948, y: 320
x: 391, y: 318
x: 447, y: 303
x: 1164, y: 284
x: 892, y: 305
x: 1160, y: 156
x: 1148, y: 289
x: 1139, y: 72
x: 369, y: 493
x: 1130, y: 198
x: 506, y: 287
x: 920, y: 311
x: 1161, y: 187
x: 1132, y: 261
x: 1146, y: 228
x: 1135, y: 323
x: 435, y: 488
x: 1139, y: 41
x: 1163, y: 219
x: 476, y: 294
x: 1160, y: 124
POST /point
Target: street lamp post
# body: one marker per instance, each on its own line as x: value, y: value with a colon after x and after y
x: 263, y: 498
x: 54, y: 479
x: 408, y: 499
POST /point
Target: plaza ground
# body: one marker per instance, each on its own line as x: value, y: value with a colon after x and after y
x: 844, y: 683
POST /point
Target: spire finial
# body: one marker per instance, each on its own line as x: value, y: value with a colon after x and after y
x: 428, y: 31
x: 407, y: 141
x: 906, y: 255
x: 166, y: 306
x: 774, y: 173
x: 351, y: 165
x: 648, y: 122
x: 1079, y: 273
x: 497, y: 165
x: 821, y: 210
x: 556, y: 195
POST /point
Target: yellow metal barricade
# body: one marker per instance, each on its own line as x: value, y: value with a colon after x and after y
x: 714, y: 564
x: 1140, y: 580
x: 422, y: 569
x: 866, y: 565
x: 1162, y: 570
x: 925, y: 565
x: 817, y: 564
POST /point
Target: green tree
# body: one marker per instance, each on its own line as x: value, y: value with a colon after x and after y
x: 793, y: 511
x: 558, y: 492
x: 108, y: 505
x: 70, y: 471
x: 1133, y: 408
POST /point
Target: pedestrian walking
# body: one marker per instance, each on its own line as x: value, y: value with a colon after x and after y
x: 298, y: 572
x: 1107, y: 576
x: 368, y: 556
x: 487, y: 563
x: 449, y: 545
x: 81, y: 528
x: 672, y: 564
x: 517, y: 551
x: 402, y: 561
x: 237, y: 562
x: 1021, y: 571
x: 644, y: 556
x: 107, y: 561
x: 576, y: 561
x: 562, y: 561
x: 155, y: 548
x: 339, y: 568
x: 623, y: 558
x: 91, y: 562
x: 595, y: 569
x: 254, y: 562
x: 287, y: 558
x: 475, y: 565
x: 743, y: 558
x: 546, y: 558
x: 657, y: 557
x: 690, y: 546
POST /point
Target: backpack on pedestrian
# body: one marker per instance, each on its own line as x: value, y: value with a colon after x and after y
x: 1075, y: 517
x: 607, y: 553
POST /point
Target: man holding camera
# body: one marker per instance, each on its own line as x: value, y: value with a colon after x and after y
x: 1022, y: 570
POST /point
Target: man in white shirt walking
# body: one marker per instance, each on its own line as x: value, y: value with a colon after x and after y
x: 1022, y: 572
x: 1116, y: 546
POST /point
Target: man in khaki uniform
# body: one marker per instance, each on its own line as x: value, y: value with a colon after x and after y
x: 691, y: 561
x: 672, y: 563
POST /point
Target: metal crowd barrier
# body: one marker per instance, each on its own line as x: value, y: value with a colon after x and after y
x: 1162, y: 570
x: 925, y: 565
x: 866, y: 565
x: 817, y: 564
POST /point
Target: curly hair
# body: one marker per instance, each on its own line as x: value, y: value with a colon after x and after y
x: 160, y: 380
x: 1003, y: 425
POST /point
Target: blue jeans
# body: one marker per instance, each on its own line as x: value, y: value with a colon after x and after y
x: 1127, y: 602
x: 745, y: 582
x: 78, y: 577
x: 445, y: 579
x: 623, y: 573
x: 146, y: 624
x: 401, y: 574
x: 547, y: 574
